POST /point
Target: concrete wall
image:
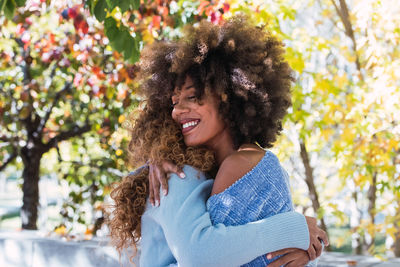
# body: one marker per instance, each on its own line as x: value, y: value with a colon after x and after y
x: 30, y: 249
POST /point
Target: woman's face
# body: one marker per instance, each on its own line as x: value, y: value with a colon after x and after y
x: 201, y: 124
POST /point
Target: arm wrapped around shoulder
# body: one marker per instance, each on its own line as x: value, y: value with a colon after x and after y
x: 194, y: 241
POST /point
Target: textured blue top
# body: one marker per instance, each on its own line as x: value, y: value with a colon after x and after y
x: 262, y: 192
x: 180, y: 230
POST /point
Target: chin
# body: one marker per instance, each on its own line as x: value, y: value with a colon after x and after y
x: 191, y: 142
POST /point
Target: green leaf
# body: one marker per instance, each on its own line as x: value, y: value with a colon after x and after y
x: 131, y: 49
x: 9, y: 9
x: 2, y: 4
x: 135, y: 4
x: 100, y: 10
x: 112, y: 31
x: 123, y: 5
x: 112, y: 4
x: 20, y: 2
x: 110, y: 23
x: 128, y: 50
x: 135, y: 50
x: 123, y: 38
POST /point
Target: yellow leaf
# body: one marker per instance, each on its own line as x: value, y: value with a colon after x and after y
x: 121, y: 119
x: 89, y: 231
x: 118, y: 152
x: 340, y: 241
x: 61, y: 230
x: 147, y: 36
x: 393, y: 144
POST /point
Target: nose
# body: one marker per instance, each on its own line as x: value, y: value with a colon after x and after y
x: 179, y: 109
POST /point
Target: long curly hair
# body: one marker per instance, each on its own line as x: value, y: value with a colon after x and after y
x: 155, y: 136
x: 242, y: 65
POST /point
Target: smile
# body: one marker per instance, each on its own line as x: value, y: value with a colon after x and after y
x: 189, y: 125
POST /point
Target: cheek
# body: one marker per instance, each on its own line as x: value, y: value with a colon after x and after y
x: 173, y: 115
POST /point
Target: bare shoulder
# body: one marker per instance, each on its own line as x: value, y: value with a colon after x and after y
x: 234, y: 167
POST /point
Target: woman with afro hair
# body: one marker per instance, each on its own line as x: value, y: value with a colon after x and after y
x: 214, y: 99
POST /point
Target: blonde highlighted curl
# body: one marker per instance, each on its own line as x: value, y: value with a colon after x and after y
x: 155, y: 136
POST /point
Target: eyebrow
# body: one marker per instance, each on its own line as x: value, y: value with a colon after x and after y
x: 188, y: 87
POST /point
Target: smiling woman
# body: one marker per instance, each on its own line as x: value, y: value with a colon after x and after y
x: 200, y: 120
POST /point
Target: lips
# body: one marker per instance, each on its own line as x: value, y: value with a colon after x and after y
x: 188, y: 124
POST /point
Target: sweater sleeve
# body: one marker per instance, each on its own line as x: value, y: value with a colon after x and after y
x: 194, y: 241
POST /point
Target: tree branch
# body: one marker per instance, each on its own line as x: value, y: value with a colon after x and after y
x: 343, y: 12
x: 67, y: 87
x: 26, y: 66
x: 5, y: 138
x: 8, y: 161
x: 62, y: 136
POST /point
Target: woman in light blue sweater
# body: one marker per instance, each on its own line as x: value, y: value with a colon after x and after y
x: 223, y: 82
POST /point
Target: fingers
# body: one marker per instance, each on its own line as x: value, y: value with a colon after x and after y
x: 281, y: 261
x: 316, y: 236
x: 156, y: 186
x: 295, y: 258
x: 170, y: 167
x: 318, y: 248
x: 279, y: 252
x: 151, y: 194
x: 311, y: 252
x: 299, y: 263
x: 158, y: 178
x: 164, y: 183
x: 299, y: 260
x: 324, y: 237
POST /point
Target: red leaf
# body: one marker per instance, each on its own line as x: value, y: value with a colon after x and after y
x: 72, y: 13
x: 213, y: 17
x: 226, y: 7
x: 77, y: 21
x: 202, y: 7
x: 156, y: 21
x: 26, y: 37
x: 77, y: 79
x: 28, y: 21
x: 52, y: 38
x: 84, y: 27
x: 20, y: 29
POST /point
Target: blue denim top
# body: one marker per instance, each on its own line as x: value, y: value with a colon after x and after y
x: 262, y: 192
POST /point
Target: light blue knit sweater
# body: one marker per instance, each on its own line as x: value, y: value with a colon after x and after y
x: 180, y: 230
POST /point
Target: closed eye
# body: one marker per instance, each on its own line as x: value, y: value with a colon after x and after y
x: 191, y: 98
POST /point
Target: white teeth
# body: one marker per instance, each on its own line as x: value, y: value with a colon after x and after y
x: 189, y: 124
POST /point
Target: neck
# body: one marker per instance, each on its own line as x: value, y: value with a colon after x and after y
x: 222, y: 146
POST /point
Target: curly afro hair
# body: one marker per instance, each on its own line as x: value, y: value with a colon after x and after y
x: 241, y: 64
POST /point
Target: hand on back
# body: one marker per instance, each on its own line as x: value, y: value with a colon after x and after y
x: 294, y: 257
x: 158, y: 177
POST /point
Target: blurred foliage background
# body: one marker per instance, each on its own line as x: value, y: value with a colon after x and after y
x: 67, y: 83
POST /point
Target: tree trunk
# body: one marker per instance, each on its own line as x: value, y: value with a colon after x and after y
x: 371, y: 207
x: 396, y: 245
x: 310, y: 184
x: 357, y: 238
x: 30, y: 188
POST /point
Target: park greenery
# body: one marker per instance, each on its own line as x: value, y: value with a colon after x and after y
x: 67, y: 83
